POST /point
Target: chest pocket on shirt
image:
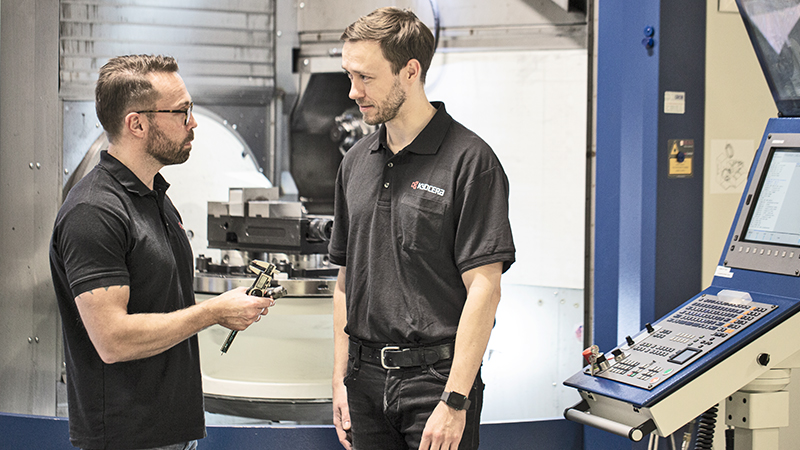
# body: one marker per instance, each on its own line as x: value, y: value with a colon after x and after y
x: 421, y: 220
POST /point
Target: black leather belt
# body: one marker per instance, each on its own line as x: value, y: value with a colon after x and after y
x: 396, y: 357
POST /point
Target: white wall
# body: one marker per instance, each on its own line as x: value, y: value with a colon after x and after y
x: 738, y: 105
x: 530, y: 106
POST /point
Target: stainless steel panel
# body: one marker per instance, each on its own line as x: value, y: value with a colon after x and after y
x: 81, y: 130
x: 29, y: 199
x: 297, y: 287
x: 528, y: 24
x: 274, y: 209
x: 286, y: 40
x: 222, y: 47
x: 250, y: 194
x: 46, y: 201
x: 317, y: 15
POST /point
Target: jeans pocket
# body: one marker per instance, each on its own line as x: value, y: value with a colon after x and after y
x: 441, y: 373
x: 350, y: 374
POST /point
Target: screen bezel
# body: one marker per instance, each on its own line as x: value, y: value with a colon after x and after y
x: 757, y: 197
x: 756, y: 255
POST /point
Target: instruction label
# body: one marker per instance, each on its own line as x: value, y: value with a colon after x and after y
x: 674, y: 102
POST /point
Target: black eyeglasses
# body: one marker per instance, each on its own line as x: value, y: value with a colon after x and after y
x: 187, y: 112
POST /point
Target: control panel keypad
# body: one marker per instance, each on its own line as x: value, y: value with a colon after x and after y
x: 680, y: 339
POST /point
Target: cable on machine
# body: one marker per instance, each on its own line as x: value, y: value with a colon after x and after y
x: 705, y: 429
x: 436, y: 26
x: 671, y: 442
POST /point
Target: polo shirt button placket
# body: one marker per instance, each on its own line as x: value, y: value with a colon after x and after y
x: 386, y: 183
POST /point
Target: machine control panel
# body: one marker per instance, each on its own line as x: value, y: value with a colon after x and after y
x: 661, y: 351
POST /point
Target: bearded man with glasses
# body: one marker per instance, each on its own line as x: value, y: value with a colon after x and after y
x: 123, y: 273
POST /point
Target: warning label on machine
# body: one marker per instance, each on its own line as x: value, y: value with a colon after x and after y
x: 681, y: 154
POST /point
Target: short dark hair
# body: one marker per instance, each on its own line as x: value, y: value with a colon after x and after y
x: 400, y: 34
x: 123, y: 87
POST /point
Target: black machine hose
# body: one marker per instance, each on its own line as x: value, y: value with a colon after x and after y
x: 705, y: 429
x: 436, y: 24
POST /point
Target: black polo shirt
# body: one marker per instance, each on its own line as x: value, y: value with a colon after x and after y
x: 113, y: 230
x: 407, y: 226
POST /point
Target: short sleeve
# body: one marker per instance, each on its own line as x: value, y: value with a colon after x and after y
x: 337, y: 248
x: 92, y: 243
x: 483, y: 235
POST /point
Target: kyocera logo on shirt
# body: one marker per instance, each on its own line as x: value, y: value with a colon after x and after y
x: 428, y: 187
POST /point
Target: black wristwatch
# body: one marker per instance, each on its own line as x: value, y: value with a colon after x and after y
x: 455, y: 400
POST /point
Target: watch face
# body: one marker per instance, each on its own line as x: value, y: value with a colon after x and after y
x: 455, y: 400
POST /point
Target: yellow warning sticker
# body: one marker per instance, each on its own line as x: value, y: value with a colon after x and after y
x: 681, y: 154
x: 680, y: 168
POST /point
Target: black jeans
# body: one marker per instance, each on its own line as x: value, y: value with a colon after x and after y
x: 389, y: 408
x: 191, y: 445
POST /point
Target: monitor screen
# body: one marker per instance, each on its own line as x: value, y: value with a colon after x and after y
x: 775, y: 216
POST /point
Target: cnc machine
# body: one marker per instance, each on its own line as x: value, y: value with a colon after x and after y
x: 736, y: 341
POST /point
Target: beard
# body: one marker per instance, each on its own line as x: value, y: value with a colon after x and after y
x: 387, y: 110
x: 166, y: 151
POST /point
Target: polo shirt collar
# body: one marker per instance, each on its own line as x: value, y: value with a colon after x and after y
x: 128, y: 179
x: 428, y: 140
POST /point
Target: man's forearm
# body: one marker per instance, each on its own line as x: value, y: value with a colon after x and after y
x: 119, y: 336
x: 340, y: 339
x: 166, y: 331
x: 474, y: 327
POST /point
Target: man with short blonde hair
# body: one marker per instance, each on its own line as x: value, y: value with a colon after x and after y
x: 421, y: 233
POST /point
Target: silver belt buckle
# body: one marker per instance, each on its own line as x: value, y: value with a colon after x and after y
x: 383, y: 357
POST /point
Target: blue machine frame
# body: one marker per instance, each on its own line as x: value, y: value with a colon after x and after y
x: 639, y: 406
x: 653, y: 389
x: 633, y: 411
